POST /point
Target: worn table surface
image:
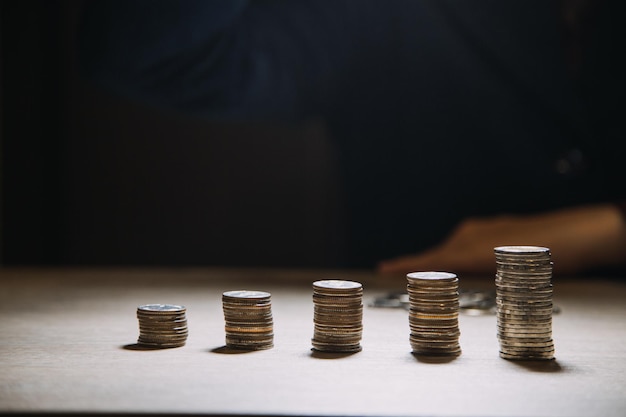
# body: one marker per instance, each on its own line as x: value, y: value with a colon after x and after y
x: 67, y: 335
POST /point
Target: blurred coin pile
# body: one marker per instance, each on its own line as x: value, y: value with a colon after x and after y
x: 162, y: 325
x: 248, y: 319
x: 338, y: 316
x: 434, y: 313
x: 524, y: 302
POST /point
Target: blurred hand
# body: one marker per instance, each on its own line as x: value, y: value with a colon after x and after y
x: 579, y: 239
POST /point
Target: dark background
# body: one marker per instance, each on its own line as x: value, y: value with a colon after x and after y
x: 91, y: 179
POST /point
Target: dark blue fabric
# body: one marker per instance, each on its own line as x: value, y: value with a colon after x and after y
x: 441, y: 109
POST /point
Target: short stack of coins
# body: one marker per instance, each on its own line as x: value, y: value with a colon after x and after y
x: 524, y: 302
x: 338, y: 316
x: 248, y: 319
x: 162, y: 325
x: 434, y: 313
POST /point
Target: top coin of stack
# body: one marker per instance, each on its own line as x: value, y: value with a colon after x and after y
x: 162, y: 325
x: 524, y: 302
x: 338, y: 316
x: 434, y: 313
x: 248, y: 319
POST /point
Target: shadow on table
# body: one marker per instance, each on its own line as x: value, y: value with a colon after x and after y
x: 317, y: 354
x: 549, y: 366
x: 225, y: 350
x: 137, y: 346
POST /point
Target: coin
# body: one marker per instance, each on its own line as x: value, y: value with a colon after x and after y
x: 246, y: 294
x: 248, y: 319
x: 338, y: 315
x: 162, y: 325
x: 433, y: 313
x: 524, y: 302
x: 528, y: 355
x: 332, y: 347
x: 431, y: 276
x: 161, y: 308
x: 335, y: 284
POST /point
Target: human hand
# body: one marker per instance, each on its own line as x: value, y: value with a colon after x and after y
x: 579, y: 238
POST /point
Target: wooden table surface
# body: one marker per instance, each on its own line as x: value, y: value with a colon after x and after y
x: 67, y: 336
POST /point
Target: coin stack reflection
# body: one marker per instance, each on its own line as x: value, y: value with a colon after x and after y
x: 524, y: 302
x: 248, y: 319
x: 338, y: 316
x: 434, y: 313
x: 162, y: 325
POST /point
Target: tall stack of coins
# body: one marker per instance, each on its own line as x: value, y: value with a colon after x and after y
x: 248, y: 319
x: 434, y: 313
x: 524, y: 302
x: 338, y: 316
x: 162, y: 325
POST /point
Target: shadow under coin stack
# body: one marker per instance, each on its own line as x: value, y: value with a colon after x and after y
x: 248, y: 317
x: 524, y: 302
x: 434, y: 313
x: 338, y: 316
x: 162, y: 325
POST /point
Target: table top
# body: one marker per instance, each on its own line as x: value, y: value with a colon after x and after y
x: 67, y: 344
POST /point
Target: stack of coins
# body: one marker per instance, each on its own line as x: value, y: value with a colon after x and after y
x: 434, y: 313
x: 524, y: 302
x: 248, y: 316
x: 338, y: 316
x: 162, y: 325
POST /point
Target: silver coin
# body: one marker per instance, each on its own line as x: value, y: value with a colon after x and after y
x: 161, y: 345
x: 452, y: 300
x: 162, y: 321
x: 426, y: 347
x: 544, y: 350
x: 434, y: 337
x: 443, y: 329
x: 434, y: 323
x: 341, y: 292
x: 333, y: 312
x: 324, y: 347
x: 525, y: 331
x: 336, y: 340
x: 246, y: 314
x: 159, y: 330
x: 512, y: 329
x: 161, y: 308
x: 163, y: 325
x: 534, y: 270
x: 524, y: 315
x: 432, y: 285
x: 336, y: 284
x: 332, y: 335
x: 521, y: 249
x: 431, y: 275
x: 329, y: 299
x: 246, y: 294
x: 250, y: 346
x: 338, y: 315
x: 521, y: 302
x: 427, y: 352
x: 246, y: 303
x: 532, y: 338
x: 337, y: 323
